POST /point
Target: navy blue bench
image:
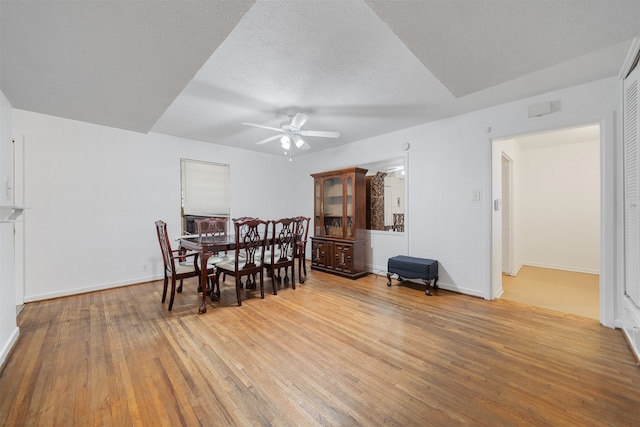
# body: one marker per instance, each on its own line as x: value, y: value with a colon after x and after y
x: 407, y: 267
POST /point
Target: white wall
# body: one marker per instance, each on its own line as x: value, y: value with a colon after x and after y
x: 447, y: 160
x: 8, y: 326
x: 559, y: 207
x: 380, y: 245
x: 94, y: 193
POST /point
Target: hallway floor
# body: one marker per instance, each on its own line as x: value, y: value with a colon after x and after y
x: 564, y: 291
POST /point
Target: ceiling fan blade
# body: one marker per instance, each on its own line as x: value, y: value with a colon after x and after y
x: 305, y: 146
x: 319, y: 133
x: 299, y: 120
x: 263, y: 127
x: 271, y: 138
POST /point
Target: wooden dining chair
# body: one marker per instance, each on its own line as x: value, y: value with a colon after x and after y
x: 280, y: 252
x: 251, y: 280
x: 175, y: 270
x: 211, y: 227
x: 300, y: 248
x: 248, y: 259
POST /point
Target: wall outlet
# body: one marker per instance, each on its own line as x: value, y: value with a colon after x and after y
x: 145, y: 267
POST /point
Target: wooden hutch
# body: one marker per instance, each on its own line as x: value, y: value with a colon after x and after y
x: 338, y: 243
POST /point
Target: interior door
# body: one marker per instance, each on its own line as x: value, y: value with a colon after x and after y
x: 631, y: 188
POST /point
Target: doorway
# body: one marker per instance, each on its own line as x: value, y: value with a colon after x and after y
x: 548, y: 216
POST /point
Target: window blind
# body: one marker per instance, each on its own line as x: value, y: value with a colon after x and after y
x: 205, y: 188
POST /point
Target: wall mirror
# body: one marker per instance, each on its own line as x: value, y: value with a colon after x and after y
x: 205, y: 192
x: 386, y: 194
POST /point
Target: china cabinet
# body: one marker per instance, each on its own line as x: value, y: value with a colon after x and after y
x: 338, y: 243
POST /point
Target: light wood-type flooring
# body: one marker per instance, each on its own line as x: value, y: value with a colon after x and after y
x: 331, y: 352
x: 565, y: 291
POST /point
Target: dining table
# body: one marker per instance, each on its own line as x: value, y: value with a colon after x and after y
x: 206, y: 246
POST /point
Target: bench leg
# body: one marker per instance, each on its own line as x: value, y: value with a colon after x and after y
x: 428, y: 291
x: 388, y: 279
x: 428, y: 284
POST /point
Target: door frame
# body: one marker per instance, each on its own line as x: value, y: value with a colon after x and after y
x: 609, y: 233
x: 508, y: 201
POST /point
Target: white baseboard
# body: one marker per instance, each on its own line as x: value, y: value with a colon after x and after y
x: 382, y: 271
x: 6, y: 349
x: 561, y: 267
x: 630, y: 325
x: 93, y: 288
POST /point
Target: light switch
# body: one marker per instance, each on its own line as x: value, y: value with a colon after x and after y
x: 475, y: 195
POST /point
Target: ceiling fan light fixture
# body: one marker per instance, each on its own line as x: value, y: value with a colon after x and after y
x: 285, y: 141
x: 291, y: 131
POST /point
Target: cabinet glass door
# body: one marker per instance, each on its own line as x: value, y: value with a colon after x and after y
x: 349, y: 202
x: 317, y: 209
x: 333, y: 202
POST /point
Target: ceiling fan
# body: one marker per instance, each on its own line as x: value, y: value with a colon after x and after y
x: 291, y: 131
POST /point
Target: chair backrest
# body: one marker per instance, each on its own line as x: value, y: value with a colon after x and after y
x: 242, y: 219
x: 251, y: 239
x: 214, y: 226
x: 301, y: 231
x: 165, y: 246
x: 283, y: 240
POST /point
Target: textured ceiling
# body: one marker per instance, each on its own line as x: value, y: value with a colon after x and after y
x: 471, y: 45
x: 198, y: 69
x: 116, y: 63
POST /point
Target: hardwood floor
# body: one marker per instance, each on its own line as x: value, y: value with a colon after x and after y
x: 331, y: 352
x: 560, y: 290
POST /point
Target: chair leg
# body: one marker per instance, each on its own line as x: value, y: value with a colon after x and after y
x: 261, y: 285
x: 180, y: 287
x: 304, y: 262
x: 164, y: 291
x: 173, y: 293
x: 293, y: 274
x: 302, y: 266
x: 215, y: 285
x: 238, y: 286
x: 273, y: 280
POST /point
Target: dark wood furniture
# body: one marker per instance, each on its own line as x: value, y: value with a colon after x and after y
x: 176, y: 270
x: 338, y: 243
x: 248, y: 260
x: 280, y: 253
x: 209, y: 227
x: 207, y: 246
x: 300, y: 248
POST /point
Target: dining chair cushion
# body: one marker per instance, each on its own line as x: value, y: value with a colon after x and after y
x: 215, y: 260
x: 184, y: 268
x: 230, y: 265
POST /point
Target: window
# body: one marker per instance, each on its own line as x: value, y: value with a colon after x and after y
x: 205, y: 191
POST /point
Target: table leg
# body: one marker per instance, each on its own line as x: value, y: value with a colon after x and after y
x: 301, y: 263
x: 204, y: 258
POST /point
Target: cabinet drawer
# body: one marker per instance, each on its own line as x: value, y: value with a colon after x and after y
x: 319, y: 254
x: 343, y: 257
